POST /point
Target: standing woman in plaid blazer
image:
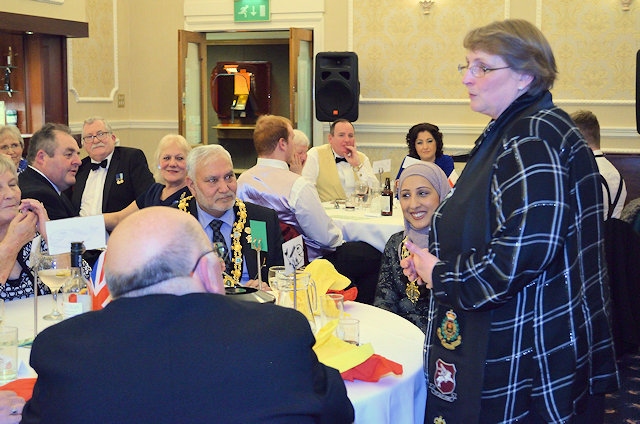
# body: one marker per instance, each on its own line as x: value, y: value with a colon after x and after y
x: 519, y: 320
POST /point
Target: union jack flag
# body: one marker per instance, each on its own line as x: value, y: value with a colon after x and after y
x: 98, y: 286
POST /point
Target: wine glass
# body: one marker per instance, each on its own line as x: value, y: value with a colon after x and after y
x: 362, y: 191
x: 54, y: 271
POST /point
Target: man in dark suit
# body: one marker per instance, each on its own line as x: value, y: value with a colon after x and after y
x: 111, y: 177
x: 54, y: 158
x: 211, y: 179
x: 166, y: 351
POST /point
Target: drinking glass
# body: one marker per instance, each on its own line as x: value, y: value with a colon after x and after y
x: 331, y: 308
x: 349, y: 330
x: 273, y: 276
x: 362, y: 191
x: 53, y: 271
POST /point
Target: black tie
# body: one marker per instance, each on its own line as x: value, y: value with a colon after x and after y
x: 338, y: 160
x: 219, y: 238
x: 95, y: 166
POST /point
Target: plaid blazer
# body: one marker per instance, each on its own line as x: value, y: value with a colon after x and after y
x: 540, y: 277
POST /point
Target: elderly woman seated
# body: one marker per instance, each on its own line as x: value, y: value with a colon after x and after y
x: 20, y: 221
x: 12, y: 145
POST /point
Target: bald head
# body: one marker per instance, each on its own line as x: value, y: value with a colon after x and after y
x: 152, y: 246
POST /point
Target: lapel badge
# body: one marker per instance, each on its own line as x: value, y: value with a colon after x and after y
x: 449, y: 331
x: 444, y: 381
x: 119, y: 178
x: 439, y: 420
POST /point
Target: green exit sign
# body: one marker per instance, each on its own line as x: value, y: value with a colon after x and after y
x: 251, y: 10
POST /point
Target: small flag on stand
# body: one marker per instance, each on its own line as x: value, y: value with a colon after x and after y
x: 100, y: 295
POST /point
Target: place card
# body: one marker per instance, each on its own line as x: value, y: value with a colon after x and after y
x: 88, y: 229
x: 293, y: 253
x: 380, y: 166
x: 259, y: 232
x: 408, y: 160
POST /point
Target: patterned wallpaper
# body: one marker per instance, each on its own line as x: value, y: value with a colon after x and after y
x: 404, y: 54
x: 595, y: 45
x: 93, y: 71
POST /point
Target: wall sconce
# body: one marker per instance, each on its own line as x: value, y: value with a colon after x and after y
x: 426, y: 6
x: 625, y: 5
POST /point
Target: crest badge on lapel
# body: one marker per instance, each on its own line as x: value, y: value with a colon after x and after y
x: 449, y: 331
x: 444, y: 381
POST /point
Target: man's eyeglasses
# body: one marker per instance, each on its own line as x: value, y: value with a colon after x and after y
x: 7, y: 147
x: 100, y: 136
x: 200, y: 257
x: 478, y: 71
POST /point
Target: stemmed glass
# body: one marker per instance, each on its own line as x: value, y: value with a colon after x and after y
x: 54, y: 272
x: 362, y: 190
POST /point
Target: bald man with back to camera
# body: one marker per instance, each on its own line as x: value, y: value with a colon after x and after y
x: 172, y: 348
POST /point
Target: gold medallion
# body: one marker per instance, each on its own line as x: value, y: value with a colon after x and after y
x: 413, y: 294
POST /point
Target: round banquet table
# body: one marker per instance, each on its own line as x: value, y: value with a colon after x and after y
x: 397, y: 399
x: 364, y: 225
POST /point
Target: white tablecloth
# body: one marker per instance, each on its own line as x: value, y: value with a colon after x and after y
x: 19, y: 313
x: 394, y: 399
x: 361, y: 225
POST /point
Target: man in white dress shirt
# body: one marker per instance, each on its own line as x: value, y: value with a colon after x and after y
x: 336, y: 167
x: 614, y: 190
x: 270, y: 183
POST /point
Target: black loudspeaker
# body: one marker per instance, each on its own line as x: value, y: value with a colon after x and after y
x: 638, y: 91
x: 337, y: 86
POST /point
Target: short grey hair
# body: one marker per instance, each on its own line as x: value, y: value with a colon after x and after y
x: 300, y: 138
x: 45, y: 139
x: 13, y: 131
x: 7, y: 165
x: 202, y: 153
x: 93, y: 119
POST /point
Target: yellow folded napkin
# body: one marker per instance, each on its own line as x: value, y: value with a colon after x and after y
x: 337, y: 353
x: 324, y: 274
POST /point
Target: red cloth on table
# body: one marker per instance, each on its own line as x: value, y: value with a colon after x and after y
x: 349, y: 294
x: 22, y: 386
x: 372, y: 369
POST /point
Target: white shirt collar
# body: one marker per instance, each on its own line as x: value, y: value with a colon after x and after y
x: 274, y: 163
x: 108, y: 158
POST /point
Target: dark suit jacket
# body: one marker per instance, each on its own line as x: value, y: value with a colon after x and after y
x: 197, y: 358
x: 128, y: 176
x: 35, y: 186
x: 274, y: 238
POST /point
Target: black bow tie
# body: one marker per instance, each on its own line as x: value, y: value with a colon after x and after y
x: 95, y: 166
x: 338, y: 160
